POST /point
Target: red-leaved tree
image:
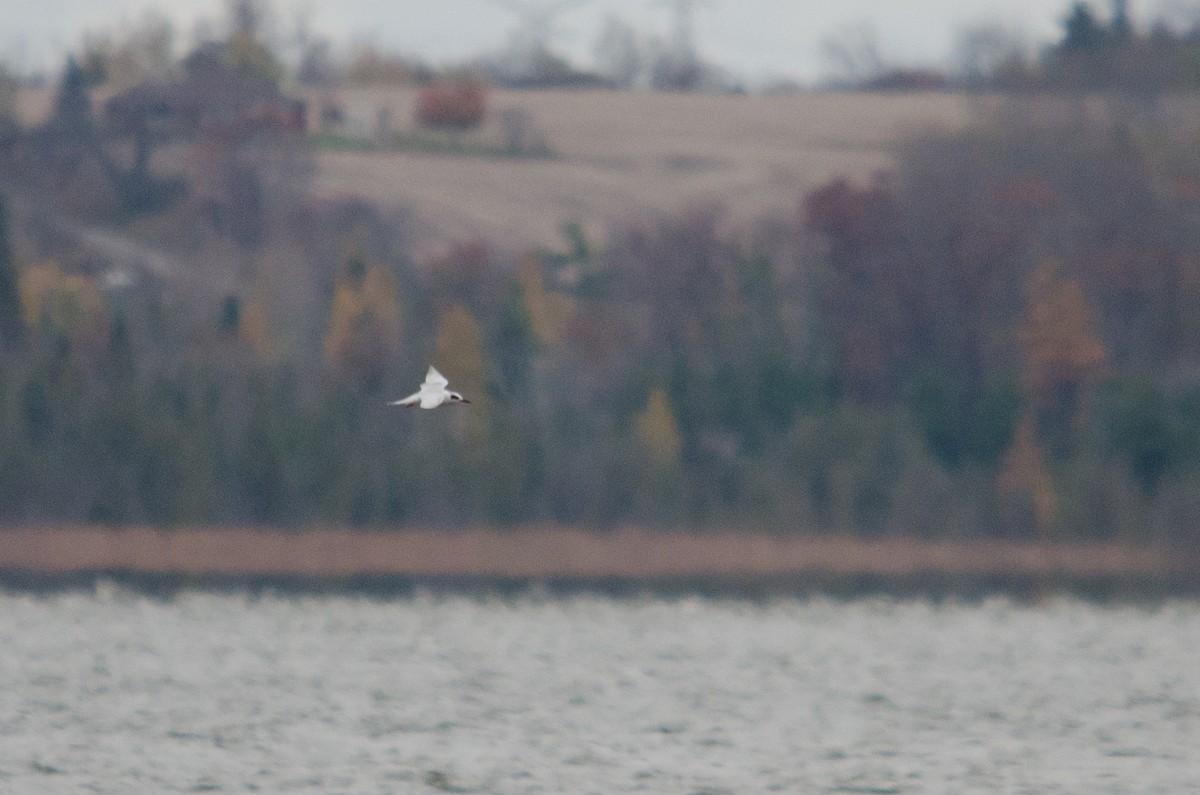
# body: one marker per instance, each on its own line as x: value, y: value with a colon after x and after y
x: 452, y: 104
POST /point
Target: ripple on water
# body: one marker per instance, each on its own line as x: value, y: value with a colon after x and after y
x: 117, y: 692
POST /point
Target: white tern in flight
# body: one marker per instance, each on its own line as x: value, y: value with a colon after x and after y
x: 432, y: 394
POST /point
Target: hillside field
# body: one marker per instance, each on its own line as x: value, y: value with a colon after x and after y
x: 618, y: 156
x: 613, y: 156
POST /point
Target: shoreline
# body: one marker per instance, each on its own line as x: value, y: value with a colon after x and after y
x: 568, y: 558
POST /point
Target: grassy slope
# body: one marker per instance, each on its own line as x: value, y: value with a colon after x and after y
x: 620, y: 155
x: 615, y: 155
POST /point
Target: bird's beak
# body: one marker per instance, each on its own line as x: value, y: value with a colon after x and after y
x: 464, y: 400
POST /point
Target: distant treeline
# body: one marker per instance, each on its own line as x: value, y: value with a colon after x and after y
x: 1096, y: 52
x: 1000, y: 337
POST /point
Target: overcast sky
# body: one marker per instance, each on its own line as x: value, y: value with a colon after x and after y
x: 756, y: 39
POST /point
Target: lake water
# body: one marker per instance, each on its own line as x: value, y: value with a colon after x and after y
x: 115, y: 692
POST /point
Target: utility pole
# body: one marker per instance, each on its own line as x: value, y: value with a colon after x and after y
x: 685, y: 30
x: 683, y: 37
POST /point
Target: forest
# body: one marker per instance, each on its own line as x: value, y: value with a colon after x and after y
x: 998, y: 337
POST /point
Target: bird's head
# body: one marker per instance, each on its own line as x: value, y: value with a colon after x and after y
x: 456, y: 398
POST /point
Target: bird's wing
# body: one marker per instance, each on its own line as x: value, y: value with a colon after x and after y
x: 434, y: 379
x: 431, y: 400
x: 411, y: 400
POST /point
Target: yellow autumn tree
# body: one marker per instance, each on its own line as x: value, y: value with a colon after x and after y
x: 1058, y: 333
x: 1062, y: 353
x: 256, y: 328
x: 548, y: 311
x: 65, y: 302
x: 458, y: 351
x: 658, y: 430
x: 458, y: 355
x: 1025, y: 480
x: 365, y: 322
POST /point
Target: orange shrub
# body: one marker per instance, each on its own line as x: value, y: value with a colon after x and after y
x: 454, y: 104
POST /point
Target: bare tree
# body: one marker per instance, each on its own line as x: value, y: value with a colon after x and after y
x: 1179, y: 13
x: 530, y: 57
x: 853, y: 54
x: 620, y: 55
x: 679, y: 67
x: 683, y: 38
x: 140, y: 53
x: 988, y: 53
x: 309, y: 54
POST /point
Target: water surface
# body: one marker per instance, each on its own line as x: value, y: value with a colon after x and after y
x: 118, y: 692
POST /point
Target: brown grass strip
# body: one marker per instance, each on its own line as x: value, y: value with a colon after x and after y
x: 553, y: 552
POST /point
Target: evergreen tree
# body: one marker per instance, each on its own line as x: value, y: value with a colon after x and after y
x: 1083, y: 32
x: 11, y: 331
x: 515, y: 339
x: 73, y: 106
x: 1122, y: 26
